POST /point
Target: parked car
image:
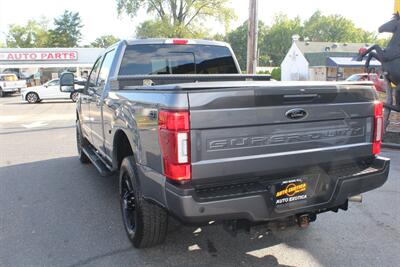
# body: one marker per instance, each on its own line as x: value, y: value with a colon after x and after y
x: 373, y: 77
x: 192, y: 138
x: 50, y: 90
x: 9, y: 84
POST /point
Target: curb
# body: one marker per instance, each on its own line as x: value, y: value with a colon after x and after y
x: 391, y: 145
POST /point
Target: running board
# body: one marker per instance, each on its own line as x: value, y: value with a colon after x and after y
x: 103, y: 169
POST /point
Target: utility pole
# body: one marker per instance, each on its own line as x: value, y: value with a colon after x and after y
x: 252, y: 37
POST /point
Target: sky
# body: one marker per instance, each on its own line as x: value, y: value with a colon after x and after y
x: 100, y: 16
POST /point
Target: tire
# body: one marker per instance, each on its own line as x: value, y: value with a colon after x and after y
x: 74, y: 96
x: 145, y: 223
x: 80, y: 142
x: 32, y: 98
x: 2, y: 94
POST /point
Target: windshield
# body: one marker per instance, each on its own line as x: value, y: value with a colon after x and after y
x: 177, y: 59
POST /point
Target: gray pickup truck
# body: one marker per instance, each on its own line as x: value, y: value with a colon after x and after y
x: 191, y: 137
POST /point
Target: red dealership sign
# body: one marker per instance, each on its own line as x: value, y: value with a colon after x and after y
x: 39, y: 56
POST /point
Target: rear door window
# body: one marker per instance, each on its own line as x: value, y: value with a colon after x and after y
x: 150, y: 59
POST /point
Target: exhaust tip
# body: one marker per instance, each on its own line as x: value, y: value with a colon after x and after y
x: 303, y: 220
x: 356, y: 198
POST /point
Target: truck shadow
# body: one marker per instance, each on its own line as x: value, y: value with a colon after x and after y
x: 71, y: 208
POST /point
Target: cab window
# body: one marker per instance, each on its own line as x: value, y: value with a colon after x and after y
x: 9, y: 78
x: 177, y: 59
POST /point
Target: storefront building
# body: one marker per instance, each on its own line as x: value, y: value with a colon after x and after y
x: 39, y: 65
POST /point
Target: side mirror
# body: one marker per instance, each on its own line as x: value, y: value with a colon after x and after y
x: 67, y: 82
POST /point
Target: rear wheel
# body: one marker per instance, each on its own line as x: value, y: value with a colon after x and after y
x: 74, y: 96
x: 145, y: 223
x: 80, y: 142
x: 1, y: 93
x: 32, y: 98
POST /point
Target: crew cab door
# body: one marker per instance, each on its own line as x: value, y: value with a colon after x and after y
x: 96, y: 102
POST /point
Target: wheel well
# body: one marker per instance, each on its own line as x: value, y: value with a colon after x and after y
x: 122, y: 147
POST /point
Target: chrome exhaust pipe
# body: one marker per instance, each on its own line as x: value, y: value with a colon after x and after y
x: 356, y: 198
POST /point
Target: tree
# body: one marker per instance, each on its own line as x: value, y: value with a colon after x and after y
x: 67, y: 31
x: 177, y: 18
x: 279, y: 37
x: 238, y: 40
x: 334, y: 28
x: 33, y: 34
x: 159, y: 29
x: 104, y: 41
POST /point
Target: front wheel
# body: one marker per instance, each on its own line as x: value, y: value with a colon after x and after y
x: 32, y: 98
x: 145, y: 223
x: 74, y: 96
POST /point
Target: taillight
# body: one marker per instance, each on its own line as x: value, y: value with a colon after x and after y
x: 378, y: 127
x: 174, y: 138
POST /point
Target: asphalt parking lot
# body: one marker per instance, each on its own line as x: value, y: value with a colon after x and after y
x: 56, y: 212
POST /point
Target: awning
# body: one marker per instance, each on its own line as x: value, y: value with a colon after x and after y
x: 350, y: 62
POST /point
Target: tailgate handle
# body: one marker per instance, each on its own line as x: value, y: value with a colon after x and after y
x: 300, y: 98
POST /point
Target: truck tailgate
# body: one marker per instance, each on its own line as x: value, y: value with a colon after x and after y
x: 260, y: 130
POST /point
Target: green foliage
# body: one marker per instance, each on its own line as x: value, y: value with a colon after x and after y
x: 276, y: 74
x: 33, y: 34
x: 67, y: 31
x: 238, y: 40
x: 263, y: 72
x: 334, y: 28
x: 163, y: 29
x: 104, y: 41
x: 177, y: 18
x: 279, y: 37
x: 383, y: 42
x: 275, y: 41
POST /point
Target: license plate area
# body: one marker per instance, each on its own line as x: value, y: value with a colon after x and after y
x: 301, y: 191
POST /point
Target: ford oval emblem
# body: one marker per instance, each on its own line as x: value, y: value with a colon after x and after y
x: 296, y: 114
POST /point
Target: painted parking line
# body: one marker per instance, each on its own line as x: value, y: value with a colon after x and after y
x: 35, y: 124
